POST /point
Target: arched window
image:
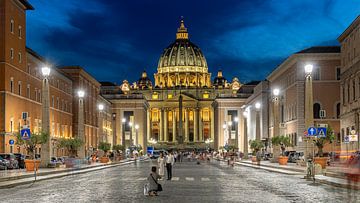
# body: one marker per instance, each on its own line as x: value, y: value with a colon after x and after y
x: 338, y: 110
x: 317, y: 108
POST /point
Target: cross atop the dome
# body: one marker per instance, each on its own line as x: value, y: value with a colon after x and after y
x: 182, y: 30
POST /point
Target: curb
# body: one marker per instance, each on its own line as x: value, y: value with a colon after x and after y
x: 59, y: 174
x: 272, y: 169
x: 335, y: 184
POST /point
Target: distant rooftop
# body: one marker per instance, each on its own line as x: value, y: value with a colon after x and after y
x: 320, y: 49
x: 107, y: 84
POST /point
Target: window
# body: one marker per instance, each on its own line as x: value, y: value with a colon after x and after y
x: 316, y: 109
x: 353, y: 90
x: 12, y: 85
x: 36, y: 95
x: 316, y: 73
x: 338, y: 73
x: 19, y: 57
x: 20, y: 31
x: 39, y: 92
x: 52, y: 101
x: 12, y: 26
x: 28, y: 69
x: 28, y: 91
x: 12, y: 125
x: 11, y: 53
x: 338, y: 110
x: 57, y: 103
x: 19, y: 86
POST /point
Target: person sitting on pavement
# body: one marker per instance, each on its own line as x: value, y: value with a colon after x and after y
x: 153, y: 182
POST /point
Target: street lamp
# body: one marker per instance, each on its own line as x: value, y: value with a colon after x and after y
x: 257, y: 119
x: 81, y: 134
x: 100, y: 122
x: 309, y: 113
x: 46, y: 151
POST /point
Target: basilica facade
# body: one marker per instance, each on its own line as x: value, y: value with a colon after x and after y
x: 184, y: 108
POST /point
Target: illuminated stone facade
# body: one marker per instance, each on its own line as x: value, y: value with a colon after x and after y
x: 184, y: 108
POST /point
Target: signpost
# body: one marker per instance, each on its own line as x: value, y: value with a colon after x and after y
x: 312, y: 131
x: 25, y: 133
x: 321, y: 132
x: 11, y: 142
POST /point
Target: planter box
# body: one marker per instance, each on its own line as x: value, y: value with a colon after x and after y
x: 321, y: 161
x: 283, y: 160
x: 32, y: 164
x: 104, y: 159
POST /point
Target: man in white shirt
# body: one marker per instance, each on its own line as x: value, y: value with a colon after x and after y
x: 169, y: 162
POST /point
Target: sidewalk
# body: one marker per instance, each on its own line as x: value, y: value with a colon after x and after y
x: 12, y: 178
x: 333, y: 175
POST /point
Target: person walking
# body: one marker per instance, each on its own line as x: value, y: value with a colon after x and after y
x: 161, y: 165
x: 169, y: 163
x: 154, y: 186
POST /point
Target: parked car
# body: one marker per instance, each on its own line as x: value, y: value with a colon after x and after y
x: 4, y: 164
x: 21, y: 159
x: 267, y: 156
x: 37, y: 156
x: 156, y: 154
x: 14, y: 164
x: 294, y: 156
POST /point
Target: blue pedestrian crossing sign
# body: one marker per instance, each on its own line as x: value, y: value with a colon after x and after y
x: 25, y: 133
x: 321, y: 132
x: 346, y: 139
x: 312, y: 131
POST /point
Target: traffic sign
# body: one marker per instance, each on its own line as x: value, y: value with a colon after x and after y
x: 346, y: 139
x: 11, y: 142
x: 312, y: 131
x: 24, y: 115
x: 25, y: 134
x: 321, y: 132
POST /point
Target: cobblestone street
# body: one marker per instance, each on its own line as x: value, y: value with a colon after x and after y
x: 214, y: 182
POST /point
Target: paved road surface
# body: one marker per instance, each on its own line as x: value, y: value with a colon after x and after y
x: 214, y: 182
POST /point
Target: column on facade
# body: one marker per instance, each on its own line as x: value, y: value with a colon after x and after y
x: 201, y: 130
x: 212, y: 123
x: 257, y: 125
x: 161, y: 113
x: 186, y: 125
x: 174, y: 126
x: 166, y: 125
x: 148, y: 125
x: 246, y: 144
x: 196, y: 123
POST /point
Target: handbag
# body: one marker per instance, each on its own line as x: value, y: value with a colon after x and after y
x: 146, y: 189
x: 158, y: 184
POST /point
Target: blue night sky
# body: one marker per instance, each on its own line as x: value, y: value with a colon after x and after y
x: 116, y: 40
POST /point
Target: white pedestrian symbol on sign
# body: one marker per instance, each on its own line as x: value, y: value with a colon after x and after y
x: 321, y: 133
x: 25, y: 135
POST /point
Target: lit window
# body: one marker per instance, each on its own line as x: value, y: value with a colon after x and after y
x: 52, y: 101
x: 170, y: 96
x: 28, y: 91
x: 155, y: 95
x: 206, y: 95
x: 12, y: 26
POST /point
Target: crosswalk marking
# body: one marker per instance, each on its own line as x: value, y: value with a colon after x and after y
x: 175, y: 178
x: 189, y: 178
x: 205, y: 179
x: 140, y: 179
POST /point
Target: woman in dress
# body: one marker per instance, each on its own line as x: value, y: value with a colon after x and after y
x: 161, y: 165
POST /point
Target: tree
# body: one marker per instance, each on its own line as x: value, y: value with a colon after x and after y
x: 105, y: 147
x: 118, y: 148
x: 71, y: 144
x: 256, y: 145
x: 320, y: 142
x: 30, y: 144
x: 282, y: 141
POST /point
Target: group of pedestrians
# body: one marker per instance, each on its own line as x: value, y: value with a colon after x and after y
x: 163, y: 161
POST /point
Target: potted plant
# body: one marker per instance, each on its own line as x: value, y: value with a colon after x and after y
x: 71, y: 145
x: 30, y: 146
x: 320, y: 143
x: 119, y: 149
x: 105, y: 147
x: 255, y: 145
x: 281, y: 142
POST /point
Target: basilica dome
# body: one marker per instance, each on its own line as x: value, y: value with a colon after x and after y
x: 182, y: 63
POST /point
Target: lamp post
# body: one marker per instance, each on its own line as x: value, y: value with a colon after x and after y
x: 309, y: 112
x: 246, y: 143
x: 80, y: 133
x: 45, y: 124
x: 101, y: 126
x: 136, y: 134
x: 257, y: 108
x: 123, y: 121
